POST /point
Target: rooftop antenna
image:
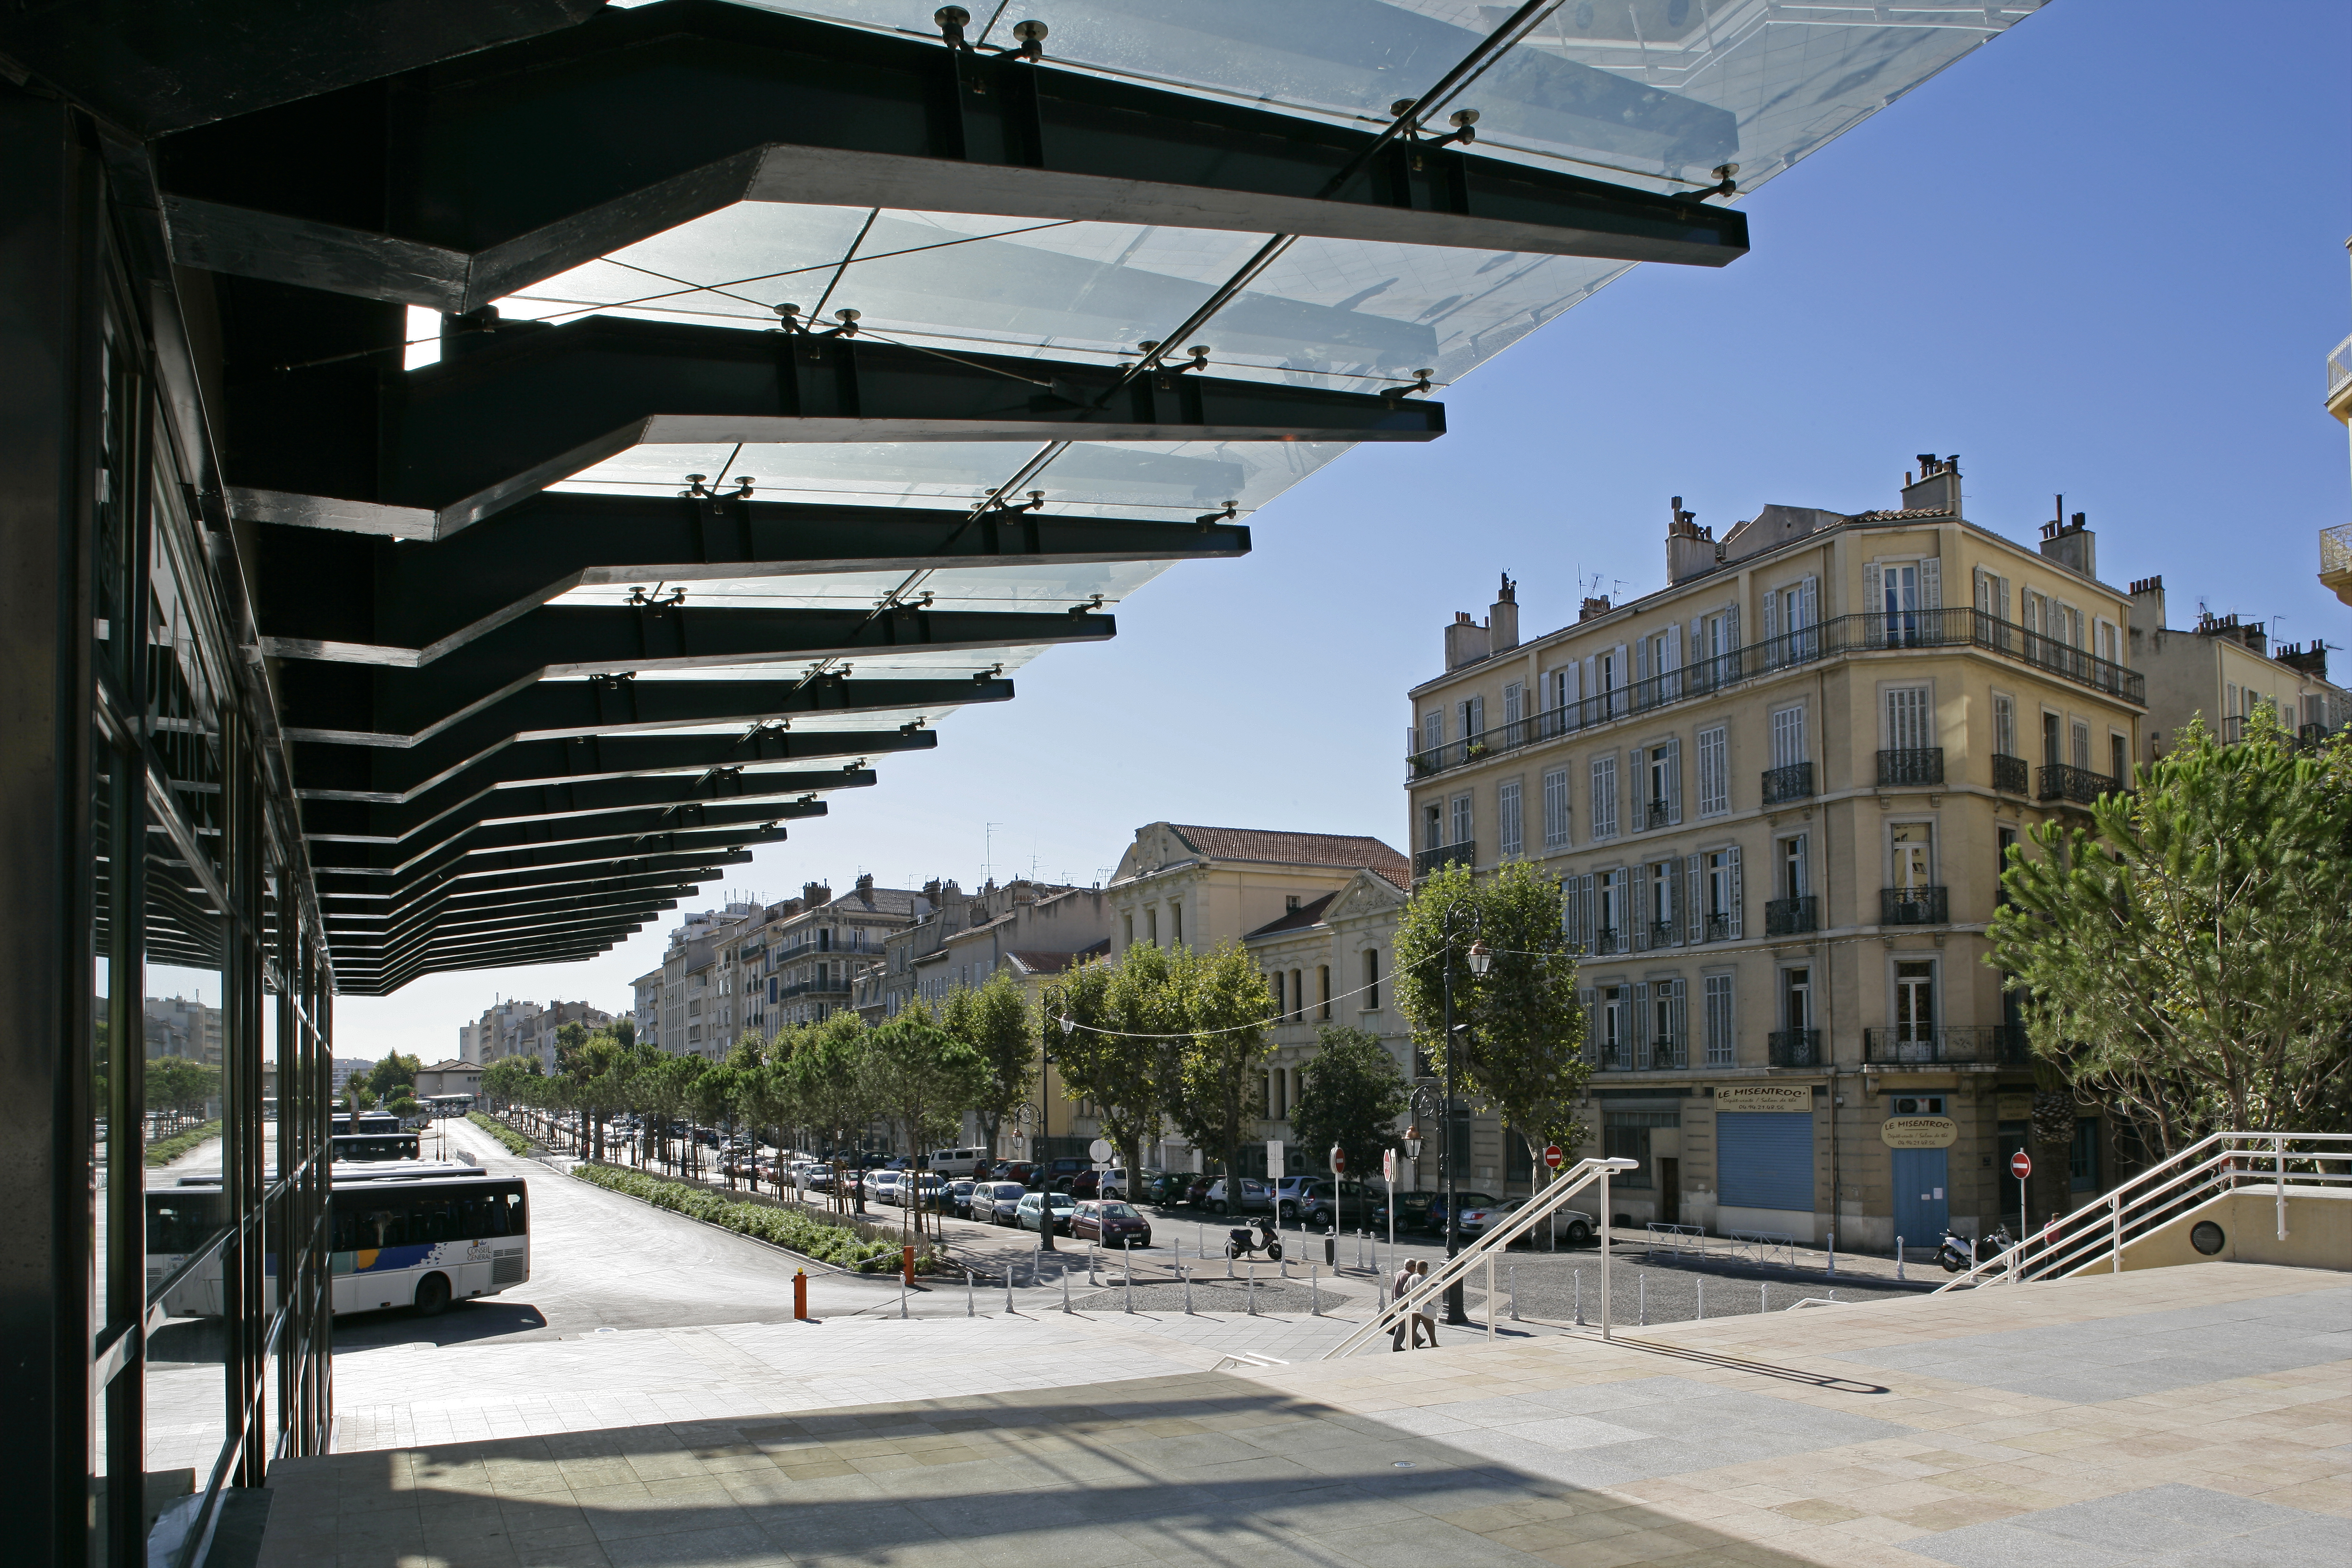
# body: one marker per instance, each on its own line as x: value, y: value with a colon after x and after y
x: 988, y: 852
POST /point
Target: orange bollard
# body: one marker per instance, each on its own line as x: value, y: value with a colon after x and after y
x: 800, y: 1295
x: 907, y: 1264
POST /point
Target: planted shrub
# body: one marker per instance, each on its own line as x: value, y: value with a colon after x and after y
x: 803, y: 1234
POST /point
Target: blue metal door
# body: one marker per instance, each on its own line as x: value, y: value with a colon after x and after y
x: 1921, y: 1208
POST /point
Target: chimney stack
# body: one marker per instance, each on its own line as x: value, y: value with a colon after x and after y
x: 1938, y: 487
x: 1503, y: 618
x: 813, y: 894
x: 2071, y: 544
x: 2147, y: 604
x: 1690, y: 549
x: 1591, y: 608
x: 1465, y: 641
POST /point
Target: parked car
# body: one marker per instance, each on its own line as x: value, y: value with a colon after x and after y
x: 1111, y: 1222
x: 995, y: 1203
x: 882, y: 1186
x: 1195, y: 1190
x: 921, y: 1189
x: 1036, y: 1210
x: 1254, y: 1196
x: 1166, y: 1186
x: 953, y: 1163
x: 960, y: 1196
x: 1571, y: 1227
x: 1081, y: 1185
x: 1435, y: 1218
x: 1314, y: 1197
x: 1051, y: 1173
x: 1144, y: 1186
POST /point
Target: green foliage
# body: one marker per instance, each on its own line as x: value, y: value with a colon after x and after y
x: 923, y: 1077
x: 505, y: 1078
x: 180, y: 1086
x: 163, y: 1151
x: 1351, y: 1094
x: 2183, y: 959
x: 993, y: 1020
x: 406, y: 1105
x: 1523, y: 1053
x: 395, y: 1071
x: 1124, y: 1049
x: 1219, y: 1098
x: 789, y: 1228
x: 358, y: 1096
x: 514, y: 1142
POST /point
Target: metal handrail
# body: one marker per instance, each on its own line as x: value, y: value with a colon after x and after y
x: 1582, y: 1174
x: 2074, y: 1243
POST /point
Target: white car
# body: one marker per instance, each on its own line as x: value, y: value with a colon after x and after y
x: 1570, y: 1227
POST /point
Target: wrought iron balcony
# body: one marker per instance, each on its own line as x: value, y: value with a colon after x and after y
x: 1911, y: 768
x: 1428, y: 860
x: 1608, y: 1056
x: 1789, y: 917
x: 1794, y: 782
x: 1668, y: 1056
x: 1981, y: 1045
x: 1662, y: 933
x: 1659, y: 815
x: 1918, y: 906
x: 2076, y: 787
x: 1718, y: 928
x: 2009, y: 774
x: 1604, y: 940
x: 1795, y: 1048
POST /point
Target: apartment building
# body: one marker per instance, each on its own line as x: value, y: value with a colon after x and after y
x: 1778, y: 792
x: 2221, y: 669
x: 505, y: 1028
x: 1028, y: 927
x: 181, y: 1026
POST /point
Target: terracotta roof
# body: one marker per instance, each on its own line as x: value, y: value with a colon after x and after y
x: 1300, y: 918
x: 1035, y: 963
x: 1293, y: 848
x: 1902, y: 514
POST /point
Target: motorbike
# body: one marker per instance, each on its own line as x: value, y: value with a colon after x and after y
x: 1260, y: 1236
x: 1958, y: 1253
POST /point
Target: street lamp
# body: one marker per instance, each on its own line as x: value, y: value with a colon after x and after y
x: 1481, y: 959
x: 1044, y: 1189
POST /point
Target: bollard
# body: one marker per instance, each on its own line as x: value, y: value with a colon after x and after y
x: 1764, y: 1297
x: 1252, y: 1289
x: 902, y: 1296
x: 1091, y: 1280
x: 1129, y: 1250
x: 1898, y: 1257
x: 1187, y: 1277
x: 1702, y: 1297
x: 969, y: 1306
x: 1576, y: 1275
x: 1512, y: 1278
x: 1315, y: 1291
x: 800, y: 1295
x: 1490, y: 1297
x: 1833, y: 1268
x: 1008, y: 1285
x: 1066, y: 1293
x: 1641, y: 1293
x: 907, y: 1264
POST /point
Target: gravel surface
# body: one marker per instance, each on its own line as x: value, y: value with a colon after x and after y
x: 1549, y: 1288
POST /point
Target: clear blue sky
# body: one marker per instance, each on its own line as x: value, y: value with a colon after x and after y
x: 2103, y: 255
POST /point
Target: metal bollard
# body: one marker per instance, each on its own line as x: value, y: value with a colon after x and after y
x: 902, y: 1296
x: 1702, y: 1297
x: 969, y: 1309
x: 1833, y: 1268
x: 1252, y: 1289
x: 1511, y: 1275
x: 1315, y: 1291
x: 1898, y: 1257
x: 1641, y: 1293
x: 1008, y: 1285
x: 1764, y: 1297
x: 1576, y: 1275
x: 1065, y: 1291
x: 1091, y: 1280
x: 1187, y: 1277
x: 1129, y: 1250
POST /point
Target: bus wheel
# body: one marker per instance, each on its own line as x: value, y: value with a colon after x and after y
x: 432, y: 1295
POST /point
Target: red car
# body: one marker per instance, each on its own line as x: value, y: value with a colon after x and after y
x: 1111, y: 1224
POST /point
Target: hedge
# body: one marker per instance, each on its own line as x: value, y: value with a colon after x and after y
x: 789, y: 1228
x: 515, y: 1141
x: 163, y: 1151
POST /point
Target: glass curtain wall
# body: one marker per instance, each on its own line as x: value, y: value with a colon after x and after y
x: 206, y: 1047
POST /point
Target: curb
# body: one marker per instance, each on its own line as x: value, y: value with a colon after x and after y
x: 739, y: 1236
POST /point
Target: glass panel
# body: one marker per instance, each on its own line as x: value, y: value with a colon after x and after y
x: 104, y: 1087
x: 183, y: 675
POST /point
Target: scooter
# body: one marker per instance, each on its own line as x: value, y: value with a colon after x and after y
x: 1242, y: 1240
x: 1957, y: 1254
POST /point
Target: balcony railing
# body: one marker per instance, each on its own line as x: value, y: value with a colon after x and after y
x: 1604, y: 940
x: 1659, y: 815
x: 1962, y: 626
x: 1911, y: 767
x: 1794, y: 1048
x: 1794, y: 782
x: 1915, y: 906
x: 2009, y: 774
x: 1983, y: 1044
x: 1718, y: 929
x: 1643, y: 1056
x: 1789, y: 917
x: 2079, y: 786
x: 1668, y: 1056
x: 1429, y: 860
x: 1662, y: 933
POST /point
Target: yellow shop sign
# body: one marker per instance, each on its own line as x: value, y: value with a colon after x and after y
x: 1764, y: 1096
x: 1919, y: 1131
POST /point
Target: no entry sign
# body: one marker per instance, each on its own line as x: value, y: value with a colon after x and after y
x: 2021, y: 1164
x: 1552, y: 1156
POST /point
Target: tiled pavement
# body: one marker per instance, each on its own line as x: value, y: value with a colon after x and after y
x: 2198, y: 1415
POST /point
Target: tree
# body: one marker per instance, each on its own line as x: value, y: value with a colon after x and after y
x: 2182, y: 959
x: 395, y: 1071
x: 923, y: 1077
x: 1522, y: 1055
x: 406, y: 1106
x: 1351, y: 1095
x: 503, y: 1078
x: 1124, y: 1045
x: 1220, y: 996
x: 179, y: 1087
x: 829, y: 1084
x: 357, y: 1096
x: 994, y: 1021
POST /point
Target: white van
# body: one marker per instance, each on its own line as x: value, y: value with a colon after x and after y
x: 953, y: 1163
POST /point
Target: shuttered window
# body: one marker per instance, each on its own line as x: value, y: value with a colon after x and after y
x: 1714, y: 771
x: 1555, y: 809
x: 1604, y: 797
x: 1507, y: 819
x: 1907, y: 720
x: 1720, y: 1049
x: 1788, y: 737
x: 1764, y: 1160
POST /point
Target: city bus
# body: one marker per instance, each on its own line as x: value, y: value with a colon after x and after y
x: 347, y: 1146
x: 365, y: 1122
x: 423, y: 1236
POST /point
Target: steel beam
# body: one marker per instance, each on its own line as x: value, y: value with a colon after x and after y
x: 534, y: 404
x: 604, y: 856
x: 369, y: 929
x: 326, y: 698
x: 560, y: 842
x: 453, y: 838
x: 395, y: 765
x: 432, y: 597
x: 468, y: 181
x: 342, y: 897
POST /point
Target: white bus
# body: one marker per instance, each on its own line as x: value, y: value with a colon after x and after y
x: 421, y: 1236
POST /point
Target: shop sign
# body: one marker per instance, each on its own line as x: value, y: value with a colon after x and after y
x: 1764, y: 1097
x: 1919, y: 1131
x: 2014, y: 1107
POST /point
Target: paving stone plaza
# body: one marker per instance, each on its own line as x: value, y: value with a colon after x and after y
x: 2196, y: 1414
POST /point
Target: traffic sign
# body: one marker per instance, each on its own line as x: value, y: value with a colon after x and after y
x: 1552, y: 1156
x: 2021, y: 1164
x: 1099, y: 1149
x: 1387, y: 1166
x: 1339, y: 1160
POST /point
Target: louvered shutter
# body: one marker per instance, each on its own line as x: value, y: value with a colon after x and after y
x: 1809, y: 594
x: 1931, y: 584
x: 1641, y: 659
x: 1678, y: 1019
x: 1772, y: 651
x: 1592, y: 677
x: 2002, y: 600
x: 1731, y: 636
x: 1674, y: 782
x: 1637, y: 1045
x: 1585, y: 895
x: 1873, y: 607
x: 1591, y: 1026
x: 1673, y: 657
x: 1736, y: 924
x: 1694, y: 900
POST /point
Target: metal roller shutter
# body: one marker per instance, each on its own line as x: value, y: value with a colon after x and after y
x: 1764, y: 1159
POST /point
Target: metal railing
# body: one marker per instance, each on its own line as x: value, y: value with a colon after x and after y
x: 1794, y: 782
x: 1604, y: 940
x: 1981, y: 1045
x: 1428, y: 860
x: 2094, y: 1236
x: 1911, y: 766
x: 1718, y: 929
x: 1794, y: 1048
x: 1961, y: 626
x: 1915, y: 906
x: 1789, y: 917
x: 2335, y: 543
x: 2079, y: 786
x: 1660, y: 815
x: 1491, y: 1246
x: 2339, y: 368
x: 2009, y: 774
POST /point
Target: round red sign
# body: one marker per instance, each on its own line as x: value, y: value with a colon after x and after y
x: 1338, y: 1158
x: 1552, y: 1156
x: 2021, y: 1164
